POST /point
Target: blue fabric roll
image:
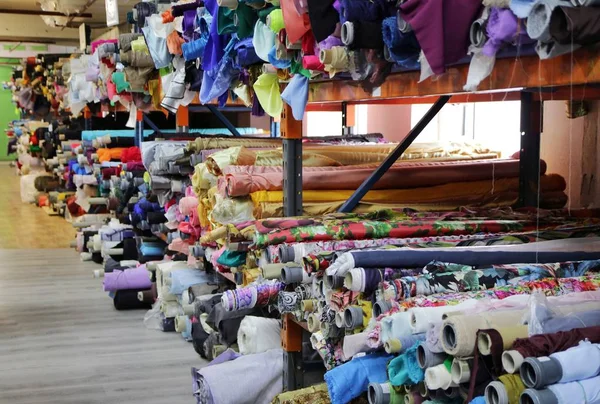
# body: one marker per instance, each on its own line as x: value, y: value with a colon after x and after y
x: 349, y: 380
x: 152, y: 249
x: 404, y: 47
x: 407, y: 258
x: 576, y: 320
x: 182, y: 279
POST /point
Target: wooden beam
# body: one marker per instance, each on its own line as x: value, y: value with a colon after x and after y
x: 46, y: 13
x: 509, y: 75
x: 87, y: 5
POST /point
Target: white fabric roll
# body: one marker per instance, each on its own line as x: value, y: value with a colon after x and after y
x: 438, y: 377
x: 584, y: 391
x: 341, y: 265
x: 162, y: 275
x: 395, y: 326
x: 354, y: 344
x: 258, y: 334
x: 171, y: 308
x: 421, y: 318
x: 572, y: 359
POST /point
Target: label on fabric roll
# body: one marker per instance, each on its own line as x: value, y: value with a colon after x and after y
x: 377, y: 92
x: 544, y: 359
x: 385, y: 387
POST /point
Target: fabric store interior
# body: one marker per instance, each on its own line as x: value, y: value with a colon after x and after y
x: 241, y: 202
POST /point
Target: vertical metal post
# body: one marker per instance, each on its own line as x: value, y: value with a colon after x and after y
x: 151, y: 124
x: 366, y: 186
x: 215, y: 111
x: 529, y: 156
x: 291, y: 132
x: 347, y: 119
x: 139, y: 128
x: 182, y: 120
x: 275, y: 131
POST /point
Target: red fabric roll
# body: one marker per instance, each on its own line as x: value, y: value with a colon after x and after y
x: 546, y: 344
x: 313, y: 62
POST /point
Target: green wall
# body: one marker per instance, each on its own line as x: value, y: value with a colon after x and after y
x: 8, y: 111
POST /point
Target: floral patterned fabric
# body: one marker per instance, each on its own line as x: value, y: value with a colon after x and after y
x: 439, y: 277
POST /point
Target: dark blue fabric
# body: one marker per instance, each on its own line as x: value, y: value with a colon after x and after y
x: 405, y: 258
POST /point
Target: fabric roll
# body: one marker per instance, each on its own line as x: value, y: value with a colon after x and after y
x: 584, y: 391
x: 182, y: 279
x: 562, y: 367
x: 258, y: 334
x: 402, y: 344
x: 349, y: 380
x: 508, y: 335
x: 395, y: 326
x: 421, y: 318
x: 313, y: 394
x: 134, y: 278
x: 580, y: 25
x: 126, y: 299
x: 251, y: 296
x: 538, y: 22
x: 459, y: 331
x: 404, y: 368
x: 426, y: 358
x: 506, y: 390
x: 438, y: 377
x: 480, y: 256
x: 354, y: 344
x: 269, y: 365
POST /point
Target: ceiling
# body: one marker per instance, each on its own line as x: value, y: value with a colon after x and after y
x: 20, y: 27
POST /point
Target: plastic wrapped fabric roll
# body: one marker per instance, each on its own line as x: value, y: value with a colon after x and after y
x: 269, y: 365
x: 562, y: 367
x: 349, y: 380
x: 258, y: 334
x: 181, y: 280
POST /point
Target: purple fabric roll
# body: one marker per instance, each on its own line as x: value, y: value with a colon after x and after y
x: 133, y: 278
x: 442, y: 28
x: 502, y: 28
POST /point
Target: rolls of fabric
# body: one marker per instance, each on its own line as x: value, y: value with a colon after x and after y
x: 404, y: 369
x: 546, y: 344
x: 562, y: 367
x: 182, y: 279
x: 583, y: 391
x: 506, y: 390
x: 438, y: 377
x: 258, y: 334
x: 312, y: 394
x: 486, y: 341
x: 426, y: 358
x: 459, y: 331
x: 126, y: 299
x: 349, y: 380
x: 354, y: 344
x: 133, y: 278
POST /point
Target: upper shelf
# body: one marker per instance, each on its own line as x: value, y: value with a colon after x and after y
x: 510, y: 75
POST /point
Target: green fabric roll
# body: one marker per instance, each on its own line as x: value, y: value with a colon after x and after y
x: 246, y: 19
x: 263, y: 13
x: 225, y: 23
x: 232, y: 259
x: 276, y: 20
x: 297, y: 68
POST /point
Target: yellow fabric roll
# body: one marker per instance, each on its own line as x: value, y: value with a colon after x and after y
x: 205, y: 143
x: 317, y: 394
x: 508, y: 333
x: 309, y: 159
x: 250, y: 275
x: 465, y: 192
x: 238, y: 155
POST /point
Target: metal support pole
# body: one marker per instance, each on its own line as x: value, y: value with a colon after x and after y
x: 291, y: 132
x: 529, y: 156
x: 275, y: 128
x: 223, y: 120
x: 152, y: 126
x: 87, y: 119
x: 139, y: 128
x: 366, y: 186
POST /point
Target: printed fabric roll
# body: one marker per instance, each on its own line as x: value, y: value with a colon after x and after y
x: 251, y: 296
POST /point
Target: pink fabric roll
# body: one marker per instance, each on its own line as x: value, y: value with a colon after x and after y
x: 243, y: 180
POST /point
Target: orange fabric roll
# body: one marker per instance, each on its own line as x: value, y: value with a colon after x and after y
x: 174, y: 42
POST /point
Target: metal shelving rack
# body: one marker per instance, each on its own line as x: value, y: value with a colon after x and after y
x: 527, y: 79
